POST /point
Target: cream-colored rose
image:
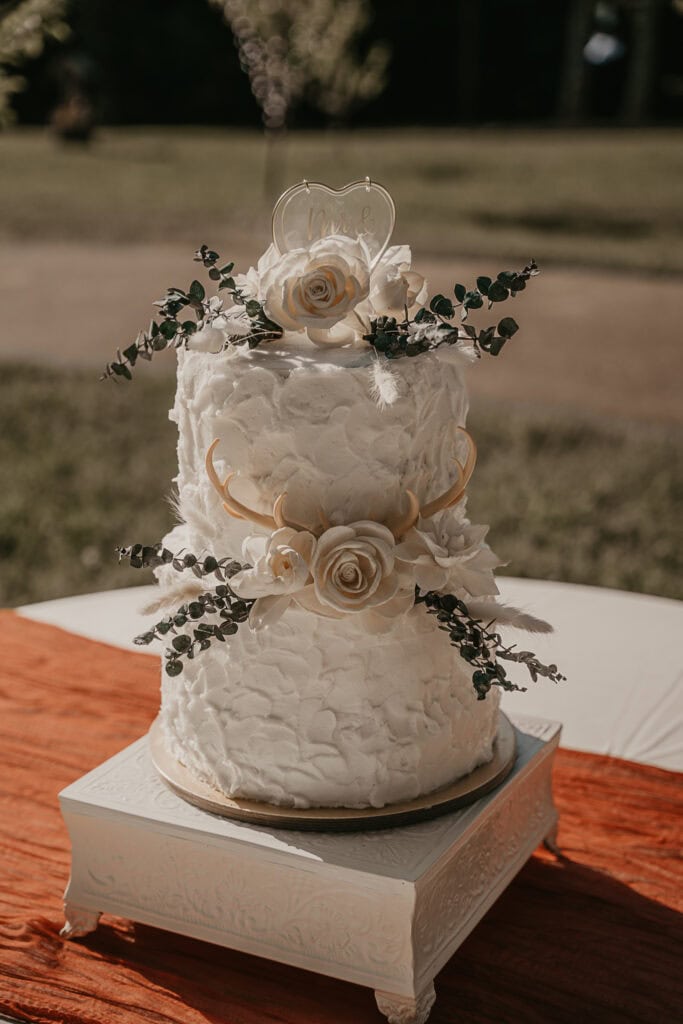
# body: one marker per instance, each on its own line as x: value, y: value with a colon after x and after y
x: 281, y: 567
x: 251, y: 283
x: 394, y: 286
x: 453, y: 558
x: 316, y: 288
x: 353, y: 571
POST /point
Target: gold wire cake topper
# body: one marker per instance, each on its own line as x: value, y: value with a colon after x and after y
x: 309, y: 211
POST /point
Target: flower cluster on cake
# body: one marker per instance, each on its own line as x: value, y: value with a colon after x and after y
x: 332, y: 613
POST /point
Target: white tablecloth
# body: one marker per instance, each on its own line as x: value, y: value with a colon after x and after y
x: 620, y: 652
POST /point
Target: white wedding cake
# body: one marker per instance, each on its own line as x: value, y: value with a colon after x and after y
x: 331, y: 606
x: 313, y: 710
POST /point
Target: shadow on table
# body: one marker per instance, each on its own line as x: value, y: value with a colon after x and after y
x: 564, y: 943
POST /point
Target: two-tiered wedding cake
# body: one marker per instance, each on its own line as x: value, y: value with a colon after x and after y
x: 343, y: 653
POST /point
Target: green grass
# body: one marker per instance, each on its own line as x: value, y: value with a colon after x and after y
x: 600, y: 198
x: 88, y: 465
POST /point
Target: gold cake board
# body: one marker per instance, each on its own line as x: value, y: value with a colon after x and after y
x: 465, y: 790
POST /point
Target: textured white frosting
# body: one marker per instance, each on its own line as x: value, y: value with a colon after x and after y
x: 312, y: 711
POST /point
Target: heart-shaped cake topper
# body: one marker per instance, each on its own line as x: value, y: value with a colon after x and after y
x: 362, y: 210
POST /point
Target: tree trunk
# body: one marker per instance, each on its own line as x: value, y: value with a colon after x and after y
x: 641, y: 67
x: 573, y: 85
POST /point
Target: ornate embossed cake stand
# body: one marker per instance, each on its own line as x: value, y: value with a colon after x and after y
x: 384, y: 908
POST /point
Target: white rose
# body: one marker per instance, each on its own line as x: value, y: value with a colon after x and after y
x: 281, y: 567
x: 394, y: 286
x: 250, y: 284
x: 354, y: 571
x: 318, y: 287
x: 453, y: 559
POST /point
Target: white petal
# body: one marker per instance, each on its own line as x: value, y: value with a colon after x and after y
x: 368, y: 528
x: 331, y: 539
x: 254, y: 547
x: 304, y: 543
x: 336, y: 336
x: 402, y: 602
x: 268, y: 610
x: 307, y: 599
x: 430, y: 577
x: 250, y: 583
x: 281, y: 538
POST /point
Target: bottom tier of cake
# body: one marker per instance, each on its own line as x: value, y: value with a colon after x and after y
x: 317, y: 713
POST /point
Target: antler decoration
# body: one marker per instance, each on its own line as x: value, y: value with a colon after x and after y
x: 446, y: 500
x: 236, y: 509
x: 455, y: 492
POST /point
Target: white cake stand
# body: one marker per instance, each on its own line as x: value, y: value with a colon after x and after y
x: 384, y: 908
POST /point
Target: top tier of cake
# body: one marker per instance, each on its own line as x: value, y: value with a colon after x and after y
x: 303, y: 420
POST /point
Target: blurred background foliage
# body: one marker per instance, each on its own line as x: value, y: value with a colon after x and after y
x: 93, y: 464
x: 472, y: 62
x: 504, y: 128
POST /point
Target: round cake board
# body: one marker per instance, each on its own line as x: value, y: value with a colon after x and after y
x: 338, y: 819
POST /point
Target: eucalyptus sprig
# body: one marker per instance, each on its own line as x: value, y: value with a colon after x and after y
x: 231, y: 611
x: 172, y: 331
x: 222, y: 601
x: 151, y: 556
x: 480, y: 646
x: 431, y: 328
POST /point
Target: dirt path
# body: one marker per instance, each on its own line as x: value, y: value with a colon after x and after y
x: 599, y: 342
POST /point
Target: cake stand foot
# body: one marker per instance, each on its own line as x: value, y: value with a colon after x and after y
x: 550, y: 841
x: 406, y: 1009
x: 79, y: 921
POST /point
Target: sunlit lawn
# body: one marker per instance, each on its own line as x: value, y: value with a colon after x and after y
x: 90, y: 468
x: 88, y: 465
x: 603, y: 198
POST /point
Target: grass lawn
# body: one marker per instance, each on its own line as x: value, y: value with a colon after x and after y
x: 87, y: 466
x: 594, y: 198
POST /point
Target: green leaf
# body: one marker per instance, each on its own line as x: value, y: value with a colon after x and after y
x: 174, y: 667
x: 486, y: 337
x: 507, y: 327
x: 131, y: 353
x: 121, y: 370
x: 424, y: 316
x: 496, y: 346
x: 214, y: 274
x: 497, y: 292
x: 227, y: 269
x: 197, y: 291
x: 442, y: 306
x: 506, y: 277
x: 253, y: 308
x: 460, y: 291
x: 181, y: 643
x: 168, y: 329
x: 483, y: 284
x: 473, y: 300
